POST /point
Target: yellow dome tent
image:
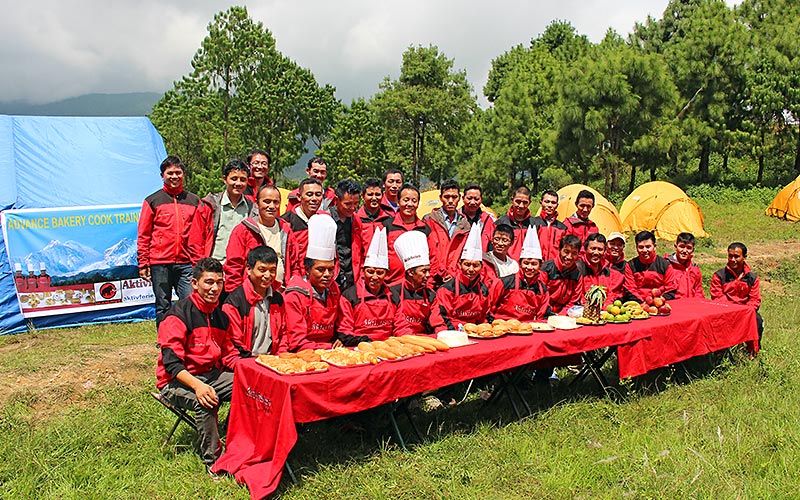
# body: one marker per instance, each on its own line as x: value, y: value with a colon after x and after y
x: 604, y: 213
x: 284, y: 199
x: 663, y: 208
x: 428, y: 200
x: 786, y: 204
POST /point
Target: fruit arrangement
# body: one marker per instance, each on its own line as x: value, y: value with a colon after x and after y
x: 616, y: 313
x: 635, y: 310
x: 655, y: 303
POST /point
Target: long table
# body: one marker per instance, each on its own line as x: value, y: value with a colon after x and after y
x: 266, y: 406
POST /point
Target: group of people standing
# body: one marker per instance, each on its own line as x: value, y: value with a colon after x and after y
x: 328, y: 272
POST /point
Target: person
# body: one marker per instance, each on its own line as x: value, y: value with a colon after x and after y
x: 649, y: 271
x: 449, y: 231
x: 317, y: 169
x: 371, y: 214
x: 348, y: 232
x: 255, y: 310
x: 412, y: 296
x: 473, y: 199
x: 595, y: 271
x: 258, y: 160
x: 522, y: 295
x: 465, y: 298
x: 519, y: 218
x: 312, y: 299
x: 688, y: 275
x: 265, y: 229
x: 615, y: 251
x: 497, y: 263
x: 197, y: 357
x: 163, y: 237
x: 366, y: 309
x: 392, y: 183
x: 217, y: 214
x: 738, y: 284
x: 579, y: 223
x: 404, y: 220
x: 563, y: 276
x: 549, y: 228
x: 310, y: 196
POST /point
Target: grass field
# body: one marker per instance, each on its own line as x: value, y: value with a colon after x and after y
x: 78, y: 422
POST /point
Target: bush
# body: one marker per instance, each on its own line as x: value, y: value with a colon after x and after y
x: 721, y: 193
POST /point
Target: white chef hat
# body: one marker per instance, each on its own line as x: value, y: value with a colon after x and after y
x: 473, y: 248
x: 378, y: 253
x: 412, y: 248
x: 321, y: 237
x: 531, y: 249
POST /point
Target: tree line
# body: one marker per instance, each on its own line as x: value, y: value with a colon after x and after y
x: 706, y: 93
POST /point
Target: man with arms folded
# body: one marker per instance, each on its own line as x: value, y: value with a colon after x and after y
x: 163, y: 237
x: 404, y: 220
x: 266, y: 229
x: 255, y: 310
x: 473, y: 199
x: 195, y: 365
x: 496, y: 262
x: 595, y: 271
x: 579, y: 223
x: 316, y: 169
x: 688, y: 275
x: 563, y: 276
x: 310, y: 196
x: 412, y: 296
x: 522, y: 295
x: 392, y: 183
x: 648, y: 271
x: 449, y: 231
x: 519, y: 218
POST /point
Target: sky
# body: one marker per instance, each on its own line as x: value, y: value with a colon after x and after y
x: 55, y: 49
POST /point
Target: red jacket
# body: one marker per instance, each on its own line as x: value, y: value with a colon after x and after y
x: 394, y: 228
x: 239, y: 306
x: 564, y: 285
x: 550, y: 232
x: 689, y: 278
x: 328, y: 199
x: 310, y: 322
x: 515, y: 298
x: 486, y: 221
x: 446, y: 250
x: 251, y: 191
x: 641, y: 278
x: 457, y: 303
x: 580, y: 228
x: 413, y: 309
x: 193, y: 337
x: 367, y: 224
x: 388, y: 208
x: 205, y: 224
x: 296, y: 253
x: 613, y: 280
x: 363, y: 314
x: 245, y: 237
x: 744, y: 289
x: 519, y: 231
x: 164, y: 223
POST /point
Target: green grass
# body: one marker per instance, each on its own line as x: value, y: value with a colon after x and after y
x: 78, y: 422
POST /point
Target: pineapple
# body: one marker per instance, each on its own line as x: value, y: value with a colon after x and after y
x: 594, y: 303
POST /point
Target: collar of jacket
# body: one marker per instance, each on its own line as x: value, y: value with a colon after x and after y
x: 546, y: 219
x: 173, y: 192
x: 462, y: 224
x: 205, y: 307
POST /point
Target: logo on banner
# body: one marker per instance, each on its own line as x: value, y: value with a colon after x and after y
x: 107, y: 291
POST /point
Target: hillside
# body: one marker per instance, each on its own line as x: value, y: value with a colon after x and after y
x: 129, y: 104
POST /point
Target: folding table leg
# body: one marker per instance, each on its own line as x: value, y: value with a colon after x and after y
x: 414, y: 427
x: 397, y: 432
x: 290, y: 472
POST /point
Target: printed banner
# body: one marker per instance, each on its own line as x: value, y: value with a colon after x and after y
x: 75, y: 259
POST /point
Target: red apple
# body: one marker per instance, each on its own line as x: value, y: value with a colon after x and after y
x: 663, y: 310
x: 669, y: 307
x: 658, y: 301
x: 656, y: 292
x: 649, y: 300
x: 652, y: 310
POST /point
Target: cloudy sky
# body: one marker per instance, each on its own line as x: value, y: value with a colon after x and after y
x: 53, y: 49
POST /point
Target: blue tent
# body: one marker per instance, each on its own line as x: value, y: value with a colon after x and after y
x: 73, y: 161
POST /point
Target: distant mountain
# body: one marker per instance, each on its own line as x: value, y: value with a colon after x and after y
x: 124, y: 253
x: 130, y: 104
x: 60, y: 258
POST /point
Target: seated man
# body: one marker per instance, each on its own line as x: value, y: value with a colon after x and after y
x: 366, y: 310
x: 738, y: 284
x: 648, y: 271
x: 413, y: 298
x: 496, y: 262
x: 312, y: 301
x: 563, y: 275
x: 255, y: 310
x: 690, y: 280
x: 195, y: 366
x: 615, y: 251
x: 465, y: 298
x: 595, y: 271
x: 522, y: 295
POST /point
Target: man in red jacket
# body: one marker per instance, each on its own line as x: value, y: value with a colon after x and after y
x: 317, y: 169
x: 648, y: 271
x: 522, y: 295
x: 689, y: 277
x: 563, y: 275
x: 348, y: 234
x: 195, y: 365
x: 266, y: 229
x: 449, y: 231
x: 258, y: 160
x: 218, y: 213
x: 549, y: 228
x: 371, y: 214
x: 615, y: 251
x: 518, y: 217
x: 310, y: 196
x: 596, y: 271
x: 404, y: 220
x: 163, y: 237
x: 473, y: 199
x: 412, y: 296
x: 579, y: 223
x: 738, y: 284
x: 392, y: 183
x: 255, y: 310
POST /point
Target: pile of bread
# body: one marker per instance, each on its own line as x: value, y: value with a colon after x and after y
x: 342, y: 356
x: 294, y: 362
x: 497, y: 328
x: 403, y: 347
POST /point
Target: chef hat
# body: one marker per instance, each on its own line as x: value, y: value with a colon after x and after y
x: 321, y: 237
x: 531, y: 249
x: 412, y: 248
x: 473, y: 249
x: 378, y: 253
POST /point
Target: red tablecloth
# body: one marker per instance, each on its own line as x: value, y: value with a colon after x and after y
x: 696, y: 327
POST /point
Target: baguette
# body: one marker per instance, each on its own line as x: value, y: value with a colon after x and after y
x: 426, y: 342
x: 366, y: 347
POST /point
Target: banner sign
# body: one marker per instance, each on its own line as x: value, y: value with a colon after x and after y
x: 75, y: 259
